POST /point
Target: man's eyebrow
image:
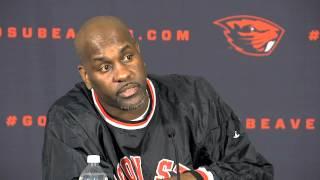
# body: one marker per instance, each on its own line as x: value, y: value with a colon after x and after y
x: 125, y: 47
x: 99, y: 58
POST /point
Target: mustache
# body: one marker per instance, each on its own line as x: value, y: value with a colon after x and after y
x: 128, y: 85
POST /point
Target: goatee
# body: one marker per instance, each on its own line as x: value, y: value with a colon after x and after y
x: 137, y: 105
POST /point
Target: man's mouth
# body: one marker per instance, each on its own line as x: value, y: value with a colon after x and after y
x: 128, y: 90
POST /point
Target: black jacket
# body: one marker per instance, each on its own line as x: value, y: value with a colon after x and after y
x: 187, y: 122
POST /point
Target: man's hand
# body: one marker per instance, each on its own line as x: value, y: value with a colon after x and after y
x: 184, y: 176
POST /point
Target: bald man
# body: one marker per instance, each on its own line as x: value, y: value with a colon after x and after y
x: 143, y: 126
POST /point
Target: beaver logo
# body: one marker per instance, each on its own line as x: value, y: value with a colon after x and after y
x: 251, y: 35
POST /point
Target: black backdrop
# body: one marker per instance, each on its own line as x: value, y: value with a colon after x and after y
x: 275, y: 93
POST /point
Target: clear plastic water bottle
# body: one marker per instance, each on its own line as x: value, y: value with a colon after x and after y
x: 93, y: 171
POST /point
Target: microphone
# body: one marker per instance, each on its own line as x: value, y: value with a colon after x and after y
x: 171, y: 134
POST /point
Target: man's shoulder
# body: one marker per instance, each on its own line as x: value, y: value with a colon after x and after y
x: 76, y: 100
x: 69, y: 114
x: 175, y: 80
x: 185, y: 87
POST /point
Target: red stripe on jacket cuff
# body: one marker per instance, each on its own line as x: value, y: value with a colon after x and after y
x: 206, y: 175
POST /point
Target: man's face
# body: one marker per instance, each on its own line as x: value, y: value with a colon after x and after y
x: 115, y: 70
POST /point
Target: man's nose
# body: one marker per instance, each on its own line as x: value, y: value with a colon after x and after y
x: 122, y: 73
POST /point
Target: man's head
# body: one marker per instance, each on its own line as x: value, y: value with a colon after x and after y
x: 111, y: 64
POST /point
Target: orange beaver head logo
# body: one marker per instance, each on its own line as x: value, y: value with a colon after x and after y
x: 250, y: 35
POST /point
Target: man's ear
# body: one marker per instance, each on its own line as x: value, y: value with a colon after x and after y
x: 137, y: 46
x: 84, y: 76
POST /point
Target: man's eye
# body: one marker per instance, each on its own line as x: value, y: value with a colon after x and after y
x: 105, y: 68
x: 127, y: 58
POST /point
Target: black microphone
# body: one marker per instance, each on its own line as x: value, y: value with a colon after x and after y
x: 171, y: 135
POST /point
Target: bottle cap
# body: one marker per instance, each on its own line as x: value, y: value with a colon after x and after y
x: 93, y: 159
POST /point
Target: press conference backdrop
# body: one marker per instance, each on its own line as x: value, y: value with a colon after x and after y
x: 260, y: 55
